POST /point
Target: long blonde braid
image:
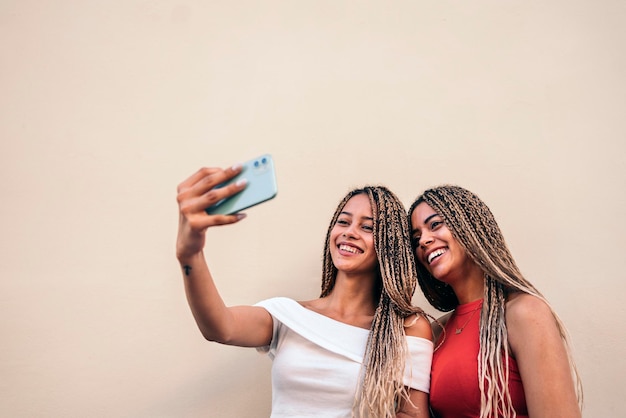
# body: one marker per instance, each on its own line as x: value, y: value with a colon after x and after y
x: 475, y: 228
x: 386, y: 350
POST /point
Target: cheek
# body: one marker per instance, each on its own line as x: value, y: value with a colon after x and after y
x: 463, y: 257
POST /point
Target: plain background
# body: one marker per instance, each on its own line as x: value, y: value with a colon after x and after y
x: 106, y: 106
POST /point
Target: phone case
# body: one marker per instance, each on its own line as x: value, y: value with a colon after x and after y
x: 261, y: 187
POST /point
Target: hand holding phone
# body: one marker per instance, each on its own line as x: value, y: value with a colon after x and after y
x: 261, y: 187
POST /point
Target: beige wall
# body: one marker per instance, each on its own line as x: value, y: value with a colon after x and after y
x: 106, y: 106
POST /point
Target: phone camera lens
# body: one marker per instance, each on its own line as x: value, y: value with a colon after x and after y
x: 256, y: 163
x: 264, y: 160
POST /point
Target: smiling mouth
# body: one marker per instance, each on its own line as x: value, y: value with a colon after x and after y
x: 435, y: 254
x: 349, y: 249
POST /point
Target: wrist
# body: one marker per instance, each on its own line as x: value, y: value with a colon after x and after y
x: 187, y: 258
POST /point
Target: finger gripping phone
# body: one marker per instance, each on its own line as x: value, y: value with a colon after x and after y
x: 261, y: 177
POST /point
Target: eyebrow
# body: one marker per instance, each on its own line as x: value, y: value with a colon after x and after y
x: 368, y: 218
x: 426, y: 221
x: 430, y: 217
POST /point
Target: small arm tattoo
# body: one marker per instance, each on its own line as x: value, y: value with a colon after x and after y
x: 187, y: 269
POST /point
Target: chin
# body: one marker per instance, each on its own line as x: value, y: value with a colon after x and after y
x: 441, y: 276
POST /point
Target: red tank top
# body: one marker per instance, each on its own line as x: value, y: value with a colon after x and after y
x: 454, y: 389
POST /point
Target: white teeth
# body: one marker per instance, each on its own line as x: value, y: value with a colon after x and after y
x: 348, y: 249
x: 435, y: 254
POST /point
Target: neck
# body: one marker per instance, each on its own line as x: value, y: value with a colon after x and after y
x: 471, y: 288
x: 352, y: 295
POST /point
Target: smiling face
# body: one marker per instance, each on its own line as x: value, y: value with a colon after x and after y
x: 437, y: 249
x: 352, y: 238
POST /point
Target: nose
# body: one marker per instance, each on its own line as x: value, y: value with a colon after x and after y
x: 425, y: 240
x: 349, y: 232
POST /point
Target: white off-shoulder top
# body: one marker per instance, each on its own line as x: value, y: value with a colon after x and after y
x: 317, y: 362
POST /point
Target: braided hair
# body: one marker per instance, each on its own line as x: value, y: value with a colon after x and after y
x: 386, y: 350
x: 473, y: 225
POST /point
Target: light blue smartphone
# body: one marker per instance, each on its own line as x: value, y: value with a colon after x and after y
x: 261, y: 187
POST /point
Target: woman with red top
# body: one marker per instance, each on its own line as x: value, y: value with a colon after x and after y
x: 503, y: 351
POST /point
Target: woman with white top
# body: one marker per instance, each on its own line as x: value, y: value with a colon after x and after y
x: 360, y: 349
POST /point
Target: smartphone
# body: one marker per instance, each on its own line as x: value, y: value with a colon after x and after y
x: 261, y: 187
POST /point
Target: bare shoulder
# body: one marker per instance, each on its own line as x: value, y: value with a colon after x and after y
x: 309, y: 304
x: 418, y: 325
x: 530, y: 323
x: 525, y: 307
x: 316, y: 305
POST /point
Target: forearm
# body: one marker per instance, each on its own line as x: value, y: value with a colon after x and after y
x: 211, y: 314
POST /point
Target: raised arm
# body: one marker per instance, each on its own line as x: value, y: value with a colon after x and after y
x: 247, y: 326
x: 541, y: 357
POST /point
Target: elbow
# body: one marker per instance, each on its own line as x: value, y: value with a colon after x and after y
x: 213, y: 331
x: 210, y: 338
x: 214, y: 336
